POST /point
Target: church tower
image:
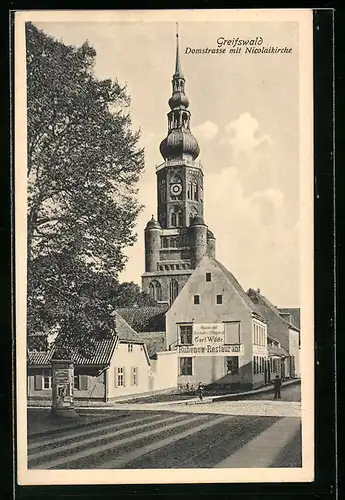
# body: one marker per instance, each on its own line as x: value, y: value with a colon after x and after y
x: 179, y: 238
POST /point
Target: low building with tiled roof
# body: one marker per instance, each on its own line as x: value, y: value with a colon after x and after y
x: 117, y: 366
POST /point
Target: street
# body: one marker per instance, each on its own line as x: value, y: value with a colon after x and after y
x: 250, y: 433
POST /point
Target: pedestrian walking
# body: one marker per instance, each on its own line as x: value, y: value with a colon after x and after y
x: 200, y: 391
x: 277, y: 386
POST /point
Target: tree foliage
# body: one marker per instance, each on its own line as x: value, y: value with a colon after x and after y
x: 83, y: 163
x: 129, y: 295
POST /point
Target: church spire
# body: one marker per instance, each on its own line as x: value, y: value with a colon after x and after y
x: 179, y: 143
x: 178, y: 72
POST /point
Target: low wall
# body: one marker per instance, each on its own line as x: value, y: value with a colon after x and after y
x: 164, y: 371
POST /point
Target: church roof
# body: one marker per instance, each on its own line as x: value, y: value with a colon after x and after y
x: 146, y: 318
x: 153, y: 224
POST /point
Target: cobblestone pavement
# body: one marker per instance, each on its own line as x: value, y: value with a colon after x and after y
x: 152, y: 439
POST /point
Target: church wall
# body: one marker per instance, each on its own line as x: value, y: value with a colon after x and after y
x: 165, y: 279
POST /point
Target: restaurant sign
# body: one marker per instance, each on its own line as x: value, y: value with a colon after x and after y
x: 209, y: 340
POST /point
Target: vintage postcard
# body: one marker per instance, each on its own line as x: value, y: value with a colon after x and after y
x: 164, y: 246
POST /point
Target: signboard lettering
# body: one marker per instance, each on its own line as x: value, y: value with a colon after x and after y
x: 209, y: 340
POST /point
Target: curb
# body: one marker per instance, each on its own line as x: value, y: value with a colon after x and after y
x: 72, y: 427
x: 263, y: 390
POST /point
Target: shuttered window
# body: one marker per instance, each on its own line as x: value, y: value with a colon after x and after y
x: 47, y: 379
x: 119, y: 376
x: 38, y: 382
x: 232, y: 333
x: 134, y: 375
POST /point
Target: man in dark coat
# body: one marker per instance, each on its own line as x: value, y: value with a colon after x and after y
x: 277, y: 386
x: 200, y: 391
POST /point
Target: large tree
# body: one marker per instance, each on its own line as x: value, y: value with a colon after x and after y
x: 83, y: 163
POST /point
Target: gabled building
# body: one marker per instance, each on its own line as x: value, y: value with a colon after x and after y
x: 279, y: 328
x: 119, y: 366
x: 219, y: 334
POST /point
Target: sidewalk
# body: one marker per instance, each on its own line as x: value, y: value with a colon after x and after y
x: 185, y: 401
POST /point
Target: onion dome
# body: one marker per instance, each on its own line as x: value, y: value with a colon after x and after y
x: 197, y: 221
x: 180, y: 142
x: 177, y: 100
x: 210, y: 235
x: 153, y: 224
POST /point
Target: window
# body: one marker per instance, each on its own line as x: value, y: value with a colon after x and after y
x: 179, y: 219
x: 186, y: 366
x: 189, y: 190
x: 195, y: 191
x: 165, y: 242
x: 155, y: 290
x: 196, y: 299
x: 232, y: 332
x: 162, y: 191
x: 76, y: 382
x: 176, y: 217
x: 232, y: 365
x: 173, y: 289
x: 134, y: 375
x: 208, y: 276
x: 254, y: 365
x: 219, y: 299
x: 120, y: 376
x: 193, y: 213
x: 47, y: 379
x: 130, y: 347
x: 186, y: 334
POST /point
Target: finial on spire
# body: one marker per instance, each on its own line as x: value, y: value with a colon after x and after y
x: 178, y: 63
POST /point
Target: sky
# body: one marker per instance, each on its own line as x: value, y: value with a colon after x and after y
x: 245, y: 116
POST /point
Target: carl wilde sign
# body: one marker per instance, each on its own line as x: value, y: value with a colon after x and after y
x: 209, y: 340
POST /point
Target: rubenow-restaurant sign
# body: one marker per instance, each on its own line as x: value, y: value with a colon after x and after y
x: 209, y: 340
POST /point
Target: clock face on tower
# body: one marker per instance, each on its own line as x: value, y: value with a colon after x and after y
x: 176, y: 189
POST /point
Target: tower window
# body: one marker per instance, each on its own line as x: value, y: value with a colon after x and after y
x: 179, y: 219
x: 189, y: 190
x: 219, y: 299
x: 208, y: 276
x: 155, y: 290
x: 173, y: 290
x: 192, y: 214
x: 195, y: 191
x: 176, y: 217
x: 196, y: 299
